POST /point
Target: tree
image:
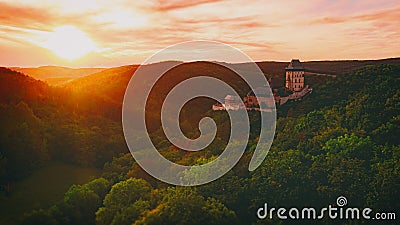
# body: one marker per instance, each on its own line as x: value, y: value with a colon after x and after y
x: 385, y: 184
x: 41, y: 217
x: 343, y: 168
x: 80, y: 204
x: 124, y: 198
x: 184, y: 206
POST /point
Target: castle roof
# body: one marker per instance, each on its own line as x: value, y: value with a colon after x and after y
x: 295, y: 64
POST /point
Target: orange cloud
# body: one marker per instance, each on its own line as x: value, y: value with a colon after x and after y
x: 167, y: 5
x: 23, y: 16
x: 387, y: 15
x: 130, y: 31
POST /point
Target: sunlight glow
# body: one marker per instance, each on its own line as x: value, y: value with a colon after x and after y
x: 122, y: 18
x: 68, y: 42
x: 103, y: 33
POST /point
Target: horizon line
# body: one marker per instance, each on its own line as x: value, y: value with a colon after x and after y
x: 139, y: 64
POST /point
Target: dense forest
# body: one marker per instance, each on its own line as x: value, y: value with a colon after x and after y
x: 340, y: 140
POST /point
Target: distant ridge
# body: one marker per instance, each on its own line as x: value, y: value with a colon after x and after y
x: 58, y: 75
x: 55, y: 75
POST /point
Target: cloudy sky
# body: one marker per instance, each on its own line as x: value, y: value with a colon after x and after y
x: 112, y: 33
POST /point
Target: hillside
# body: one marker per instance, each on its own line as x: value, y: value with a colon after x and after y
x: 337, y: 67
x: 345, y: 145
x: 109, y: 85
x: 41, y: 123
x: 111, y: 82
x: 56, y: 75
x: 344, y: 122
x: 15, y: 86
x: 117, y: 76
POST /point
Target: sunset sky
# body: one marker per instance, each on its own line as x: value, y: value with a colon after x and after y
x: 113, y: 33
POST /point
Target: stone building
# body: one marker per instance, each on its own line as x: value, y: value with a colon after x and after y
x: 263, y: 102
x: 267, y: 97
x: 233, y: 103
x: 294, y: 76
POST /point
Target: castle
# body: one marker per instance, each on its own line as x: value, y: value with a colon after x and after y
x: 259, y: 99
x: 294, y: 76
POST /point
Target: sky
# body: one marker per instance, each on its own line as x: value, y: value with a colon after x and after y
x: 113, y: 33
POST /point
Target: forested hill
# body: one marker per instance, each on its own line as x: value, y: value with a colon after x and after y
x: 341, y: 140
x: 108, y: 86
x: 40, y: 123
x: 334, y: 67
x: 113, y: 79
x: 56, y: 75
x: 15, y: 87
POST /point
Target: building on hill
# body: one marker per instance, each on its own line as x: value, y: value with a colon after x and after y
x: 294, y: 76
x: 263, y: 102
x: 260, y: 98
x: 233, y: 102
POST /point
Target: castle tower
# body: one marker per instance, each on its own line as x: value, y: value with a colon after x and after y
x: 294, y: 76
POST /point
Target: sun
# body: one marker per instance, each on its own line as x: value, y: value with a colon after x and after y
x: 68, y: 42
